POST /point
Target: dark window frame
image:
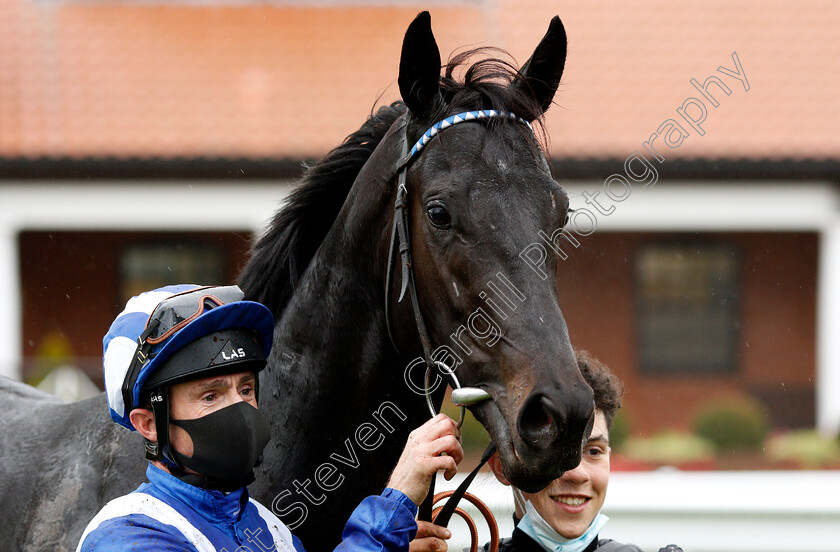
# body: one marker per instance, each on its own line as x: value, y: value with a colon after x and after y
x: 658, y: 355
x: 195, y: 247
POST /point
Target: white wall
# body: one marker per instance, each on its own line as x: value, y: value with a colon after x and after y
x: 10, y: 304
x: 828, y: 331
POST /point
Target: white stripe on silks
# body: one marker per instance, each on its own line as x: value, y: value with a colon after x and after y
x: 147, y: 505
x: 145, y: 302
x: 279, y: 532
x: 117, y: 359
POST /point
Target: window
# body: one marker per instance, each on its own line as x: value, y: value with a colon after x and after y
x: 687, y: 308
x: 148, y: 266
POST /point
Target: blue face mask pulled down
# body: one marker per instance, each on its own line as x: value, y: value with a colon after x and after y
x: 533, y: 525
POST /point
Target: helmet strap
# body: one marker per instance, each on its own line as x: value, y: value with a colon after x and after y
x: 160, y: 450
x: 141, y: 356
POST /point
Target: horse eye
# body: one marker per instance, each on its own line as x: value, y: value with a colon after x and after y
x: 439, y: 216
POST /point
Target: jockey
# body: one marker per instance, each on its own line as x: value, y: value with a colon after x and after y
x: 187, y: 358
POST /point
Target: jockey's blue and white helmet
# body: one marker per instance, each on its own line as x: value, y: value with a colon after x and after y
x: 177, y: 333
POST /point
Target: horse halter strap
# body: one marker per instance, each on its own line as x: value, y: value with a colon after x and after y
x: 466, y: 396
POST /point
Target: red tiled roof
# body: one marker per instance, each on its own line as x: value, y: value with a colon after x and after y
x: 283, y: 80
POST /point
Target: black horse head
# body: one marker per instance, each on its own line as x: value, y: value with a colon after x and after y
x: 480, y: 193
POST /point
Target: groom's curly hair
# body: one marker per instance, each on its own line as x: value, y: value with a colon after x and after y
x: 606, y: 386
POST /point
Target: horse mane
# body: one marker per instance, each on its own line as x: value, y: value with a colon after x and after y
x: 278, y: 259
x: 280, y: 256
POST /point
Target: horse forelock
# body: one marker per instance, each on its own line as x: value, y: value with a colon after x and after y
x: 281, y: 255
x: 469, y: 85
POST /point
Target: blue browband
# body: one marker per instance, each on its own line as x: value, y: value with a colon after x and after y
x: 460, y: 118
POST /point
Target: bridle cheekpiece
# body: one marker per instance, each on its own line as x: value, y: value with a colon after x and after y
x: 461, y: 396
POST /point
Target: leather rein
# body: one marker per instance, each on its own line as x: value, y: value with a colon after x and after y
x: 461, y: 396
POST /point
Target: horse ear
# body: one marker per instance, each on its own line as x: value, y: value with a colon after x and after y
x: 541, y: 74
x: 419, y: 78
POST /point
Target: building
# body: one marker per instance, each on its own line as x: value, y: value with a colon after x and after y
x: 123, y: 124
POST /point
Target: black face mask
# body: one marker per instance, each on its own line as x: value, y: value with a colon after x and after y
x: 227, y: 446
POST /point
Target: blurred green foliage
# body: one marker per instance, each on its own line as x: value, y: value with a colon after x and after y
x: 669, y: 447
x: 807, y: 447
x: 733, y: 424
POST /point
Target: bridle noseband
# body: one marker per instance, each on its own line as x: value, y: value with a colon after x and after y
x: 461, y: 396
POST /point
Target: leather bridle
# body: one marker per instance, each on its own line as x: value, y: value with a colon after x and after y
x: 400, y: 231
x: 401, y: 238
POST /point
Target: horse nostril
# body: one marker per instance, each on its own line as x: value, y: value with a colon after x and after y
x: 538, y: 420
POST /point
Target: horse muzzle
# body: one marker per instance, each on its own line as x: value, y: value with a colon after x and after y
x: 544, y: 441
